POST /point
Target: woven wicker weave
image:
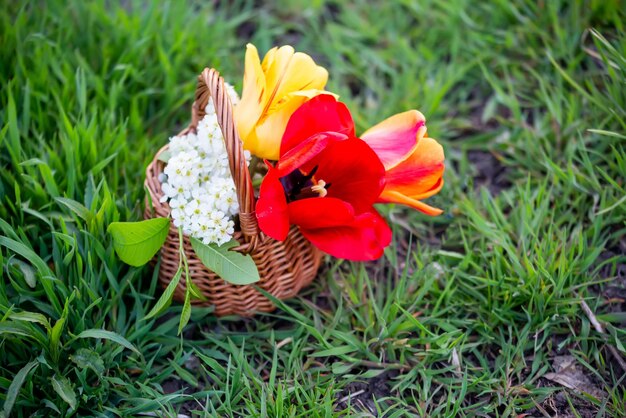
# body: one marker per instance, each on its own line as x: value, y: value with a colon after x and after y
x: 284, y: 267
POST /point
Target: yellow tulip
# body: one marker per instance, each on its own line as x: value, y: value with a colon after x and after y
x: 272, y: 91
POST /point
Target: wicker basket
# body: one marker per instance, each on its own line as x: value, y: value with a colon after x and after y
x: 284, y: 267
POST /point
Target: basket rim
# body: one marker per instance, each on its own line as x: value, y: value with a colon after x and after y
x: 212, y: 86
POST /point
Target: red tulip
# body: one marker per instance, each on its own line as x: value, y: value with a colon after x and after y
x: 325, y: 181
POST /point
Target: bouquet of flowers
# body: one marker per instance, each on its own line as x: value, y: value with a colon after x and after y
x: 317, y: 185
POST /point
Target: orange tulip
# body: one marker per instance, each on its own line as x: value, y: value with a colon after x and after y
x: 272, y: 91
x: 414, y: 163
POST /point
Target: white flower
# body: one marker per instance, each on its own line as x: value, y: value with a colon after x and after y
x: 182, y: 143
x: 197, y: 181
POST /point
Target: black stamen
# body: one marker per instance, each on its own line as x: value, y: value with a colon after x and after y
x: 300, y: 183
x: 312, y: 173
x: 306, y: 193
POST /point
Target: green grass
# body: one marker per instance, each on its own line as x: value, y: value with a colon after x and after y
x: 464, y: 315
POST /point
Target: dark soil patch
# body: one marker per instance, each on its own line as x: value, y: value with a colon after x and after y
x: 575, y: 382
x: 321, y: 298
x: 332, y: 10
x: 176, y: 385
x: 490, y: 172
x: 362, y: 395
x: 479, y: 115
x: 556, y: 405
x: 246, y: 29
x: 614, y: 292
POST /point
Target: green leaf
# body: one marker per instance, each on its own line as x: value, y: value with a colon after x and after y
x: 165, y: 156
x: 166, y: 298
x: 607, y: 133
x: 15, y: 387
x: 618, y: 343
x: 413, y: 320
x: 186, y: 313
x: 184, y: 374
x: 31, y: 317
x: 195, y: 291
x: 137, y: 242
x: 108, y: 335
x: 98, y: 167
x: 612, y: 317
x: 234, y: 267
x: 341, y: 368
x: 335, y: 351
x: 55, y: 337
x: 80, y: 210
x: 22, y: 328
x: 27, y: 271
x: 38, y: 262
x: 63, y: 387
x: 86, y: 358
x: 52, y: 406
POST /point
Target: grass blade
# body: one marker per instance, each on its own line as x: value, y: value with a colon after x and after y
x: 16, y: 385
x: 108, y: 335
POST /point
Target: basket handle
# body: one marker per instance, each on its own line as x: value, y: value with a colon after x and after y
x: 211, y: 85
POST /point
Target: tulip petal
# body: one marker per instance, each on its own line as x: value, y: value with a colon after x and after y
x: 383, y: 232
x: 320, y: 212
x: 420, y: 172
x: 364, y: 239
x: 271, y: 207
x: 418, y: 177
x: 304, y: 155
x: 395, y: 138
x: 249, y: 109
x: 301, y: 74
x: 321, y: 113
x: 287, y: 71
x: 272, y: 127
x: 272, y: 91
x: 395, y: 197
x: 268, y: 59
x: 354, y: 172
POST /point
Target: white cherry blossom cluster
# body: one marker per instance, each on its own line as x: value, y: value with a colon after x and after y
x: 197, y: 182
